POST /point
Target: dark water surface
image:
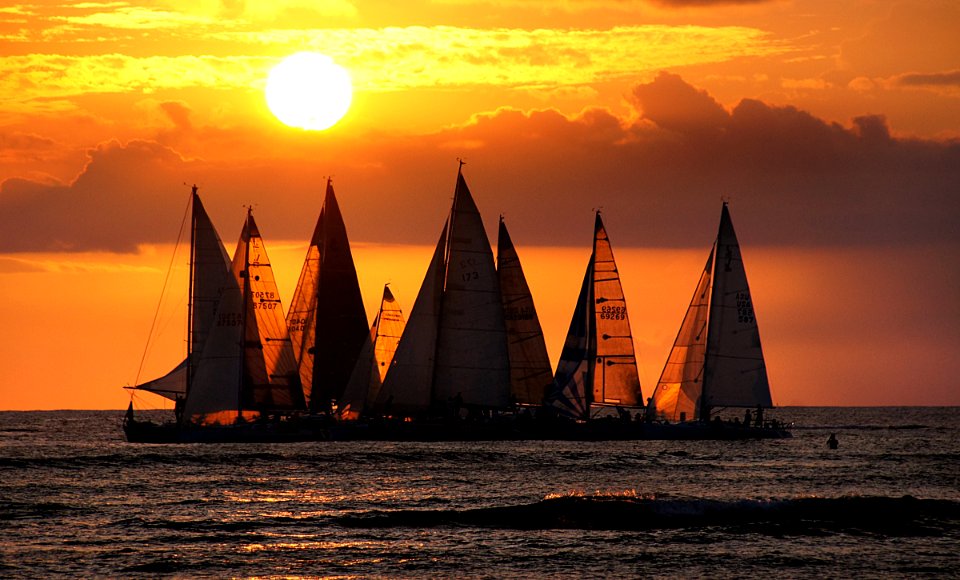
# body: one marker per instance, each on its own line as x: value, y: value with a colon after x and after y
x: 76, y: 500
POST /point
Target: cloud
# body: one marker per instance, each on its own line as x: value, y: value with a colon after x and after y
x: 794, y: 180
x: 389, y: 59
x: 121, y: 199
x: 939, y: 79
x: 675, y: 105
x: 707, y: 3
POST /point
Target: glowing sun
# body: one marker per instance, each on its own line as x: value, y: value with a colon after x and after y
x: 309, y: 90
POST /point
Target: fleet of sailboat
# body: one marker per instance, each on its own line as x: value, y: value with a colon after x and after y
x: 470, y: 362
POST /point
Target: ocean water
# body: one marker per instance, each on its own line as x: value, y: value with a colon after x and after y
x: 77, y: 500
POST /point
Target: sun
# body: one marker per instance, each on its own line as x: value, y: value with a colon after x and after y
x: 310, y: 91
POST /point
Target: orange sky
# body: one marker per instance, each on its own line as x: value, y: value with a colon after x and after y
x: 833, y: 127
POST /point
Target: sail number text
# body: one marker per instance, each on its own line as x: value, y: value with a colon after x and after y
x: 613, y: 312
x: 744, y: 308
x: 229, y: 319
x: 518, y: 313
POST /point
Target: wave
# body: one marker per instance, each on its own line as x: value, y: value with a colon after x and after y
x: 903, y: 516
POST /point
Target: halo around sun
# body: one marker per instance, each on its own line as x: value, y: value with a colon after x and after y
x: 308, y: 90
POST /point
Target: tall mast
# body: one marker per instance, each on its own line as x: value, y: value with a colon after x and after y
x: 190, y: 289
x: 245, y: 288
x: 448, y: 247
x: 705, y: 376
x: 592, y: 322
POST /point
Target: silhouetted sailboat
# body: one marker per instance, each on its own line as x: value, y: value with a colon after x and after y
x: 454, y: 346
x: 327, y: 321
x: 716, y: 360
x: 239, y: 366
x: 374, y: 360
x: 597, y: 365
x: 209, y: 275
x: 530, y: 373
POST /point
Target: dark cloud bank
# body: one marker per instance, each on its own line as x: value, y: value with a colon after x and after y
x: 792, y: 179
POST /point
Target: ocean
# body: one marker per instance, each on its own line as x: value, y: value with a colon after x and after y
x: 76, y: 500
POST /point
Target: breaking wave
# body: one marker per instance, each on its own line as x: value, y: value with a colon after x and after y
x: 903, y: 516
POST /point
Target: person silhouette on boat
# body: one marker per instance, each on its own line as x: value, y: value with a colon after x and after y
x: 832, y: 442
x: 747, y: 419
x: 758, y: 417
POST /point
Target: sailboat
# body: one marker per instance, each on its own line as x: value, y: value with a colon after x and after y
x: 598, y: 365
x: 374, y: 360
x: 530, y: 373
x: 453, y: 352
x: 716, y: 360
x: 209, y: 275
x: 327, y: 321
x: 240, y: 381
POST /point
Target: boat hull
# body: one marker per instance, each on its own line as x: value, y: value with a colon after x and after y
x: 283, y: 432
x: 321, y: 429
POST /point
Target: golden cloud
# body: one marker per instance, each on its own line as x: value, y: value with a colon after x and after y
x: 397, y: 59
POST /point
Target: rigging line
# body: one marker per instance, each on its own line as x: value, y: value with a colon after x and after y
x: 163, y: 291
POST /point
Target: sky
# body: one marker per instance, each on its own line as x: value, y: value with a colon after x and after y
x: 832, y: 128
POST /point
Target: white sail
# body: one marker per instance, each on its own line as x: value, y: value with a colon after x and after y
x: 530, y: 373
x: 716, y: 360
x: 211, y: 272
x: 214, y: 396
x: 615, y: 377
x: 374, y: 360
x: 735, y: 373
x: 407, y: 386
x: 472, y: 363
x: 172, y: 385
x: 678, y: 391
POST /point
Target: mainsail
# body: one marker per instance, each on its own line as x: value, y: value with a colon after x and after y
x: 598, y: 365
x: 407, y: 386
x: 454, y: 347
x: 530, y: 373
x: 374, y: 360
x: 327, y: 321
x: 209, y: 274
x: 716, y: 360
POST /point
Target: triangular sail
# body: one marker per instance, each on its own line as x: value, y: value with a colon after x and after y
x: 735, y: 374
x: 374, y: 360
x: 172, y: 385
x: 271, y: 382
x: 598, y: 363
x: 679, y: 389
x: 615, y: 378
x: 530, y: 373
x: 568, y: 392
x: 327, y: 319
x: 214, y: 395
x: 407, y: 386
x: 472, y: 363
